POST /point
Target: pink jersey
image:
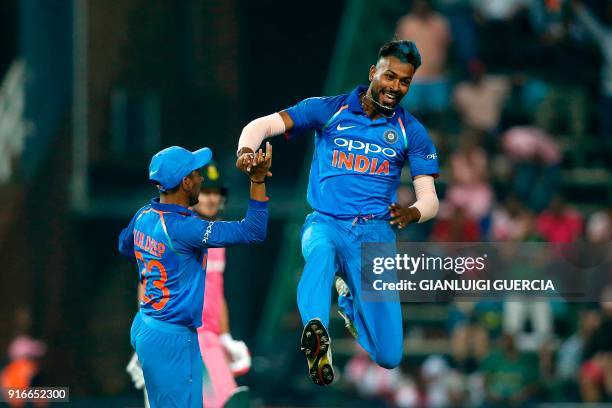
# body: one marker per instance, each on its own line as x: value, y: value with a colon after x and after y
x: 213, y: 292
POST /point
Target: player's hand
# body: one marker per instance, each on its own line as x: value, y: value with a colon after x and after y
x: 402, y: 216
x: 245, y: 160
x: 260, y: 167
x: 134, y: 369
x: 238, y: 352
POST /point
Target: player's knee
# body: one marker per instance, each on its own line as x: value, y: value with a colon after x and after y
x: 390, y: 358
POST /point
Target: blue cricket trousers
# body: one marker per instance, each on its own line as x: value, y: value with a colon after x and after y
x: 332, y: 246
x: 171, y: 362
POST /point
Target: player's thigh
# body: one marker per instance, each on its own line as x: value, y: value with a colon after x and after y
x: 171, y: 367
x: 318, y: 241
x: 381, y: 314
x: 373, y: 243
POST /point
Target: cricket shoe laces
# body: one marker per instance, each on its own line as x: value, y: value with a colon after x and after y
x: 316, y: 346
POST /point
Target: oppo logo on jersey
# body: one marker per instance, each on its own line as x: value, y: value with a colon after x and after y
x: 361, y: 163
x: 364, y: 147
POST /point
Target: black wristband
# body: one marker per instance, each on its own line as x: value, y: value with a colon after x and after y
x: 258, y: 182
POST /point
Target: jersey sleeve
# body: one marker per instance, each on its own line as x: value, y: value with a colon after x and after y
x: 197, y: 233
x: 422, y: 155
x: 126, y: 237
x: 312, y: 114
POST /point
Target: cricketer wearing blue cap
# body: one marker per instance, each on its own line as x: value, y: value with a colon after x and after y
x: 362, y: 141
x: 170, y: 243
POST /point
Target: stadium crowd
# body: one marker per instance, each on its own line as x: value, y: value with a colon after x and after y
x: 514, y: 93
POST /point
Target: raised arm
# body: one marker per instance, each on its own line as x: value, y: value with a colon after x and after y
x: 254, y: 225
x: 254, y: 133
x: 308, y: 114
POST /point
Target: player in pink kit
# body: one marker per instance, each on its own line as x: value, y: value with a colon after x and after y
x: 223, y: 356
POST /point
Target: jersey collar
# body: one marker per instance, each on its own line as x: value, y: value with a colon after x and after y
x: 355, y: 105
x: 174, y: 208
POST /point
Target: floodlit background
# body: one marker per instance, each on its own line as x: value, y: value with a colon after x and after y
x: 516, y: 94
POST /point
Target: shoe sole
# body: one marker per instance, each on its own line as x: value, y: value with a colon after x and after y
x: 315, y: 345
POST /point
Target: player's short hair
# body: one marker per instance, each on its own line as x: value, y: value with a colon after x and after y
x: 168, y: 191
x: 172, y: 190
x: 404, y: 50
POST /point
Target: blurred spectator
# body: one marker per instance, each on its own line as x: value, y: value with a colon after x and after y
x: 547, y: 19
x: 536, y: 157
x: 469, y: 339
x: 599, y: 227
x: 479, y: 100
x: 526, y: 94
x: 24, y: 354
x: 430, y: 89
x: 527, y: 263
x: 572, y: 349
x: 444, y: 386
x: 565, y: 107
x: 539, y: 313
x: 546, y: 359
x: 469, y: 189
x: 511, y: 377
x: 501, y: 25
x: 461, y: 18
x: 560, y: 223
x: 596, y: 373
x: 369, y: 379
x: 602, y: 34
x: 512, y: 221
x: 411, y: 393
x: 453, y: 224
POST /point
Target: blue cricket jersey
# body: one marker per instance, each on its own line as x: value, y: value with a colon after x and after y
x: 357, y: 161
x: 170, y: 245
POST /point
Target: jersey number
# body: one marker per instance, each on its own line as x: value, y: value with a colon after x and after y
x: 159, y: 283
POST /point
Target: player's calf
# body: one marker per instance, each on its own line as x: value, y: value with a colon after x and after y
x: 316, y: 346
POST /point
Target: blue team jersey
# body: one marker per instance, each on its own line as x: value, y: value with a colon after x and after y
x: 170, y: 245
x: 357, y: 161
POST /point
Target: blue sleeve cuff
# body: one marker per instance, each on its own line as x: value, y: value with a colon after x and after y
x: 258, y: 204
x: 296, y: 131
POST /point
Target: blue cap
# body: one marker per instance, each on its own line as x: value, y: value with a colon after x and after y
x: 171, y: 165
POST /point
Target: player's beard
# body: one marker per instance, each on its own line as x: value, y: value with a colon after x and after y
x: 381, y: 108
x: 194, y: 199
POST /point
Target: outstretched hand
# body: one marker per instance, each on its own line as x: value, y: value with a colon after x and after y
x: 259, y: 166
x: 245, y: 160
x: 402, y: 216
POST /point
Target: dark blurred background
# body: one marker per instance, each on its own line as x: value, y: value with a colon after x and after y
x: 515, y: 93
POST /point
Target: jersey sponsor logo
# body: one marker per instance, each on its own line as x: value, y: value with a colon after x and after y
x: 359, y: 146
x: 390, y: 136
x: 341, y: 128
x: 432, y: 156
x: 359, y: 163
x: 207, y: 232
